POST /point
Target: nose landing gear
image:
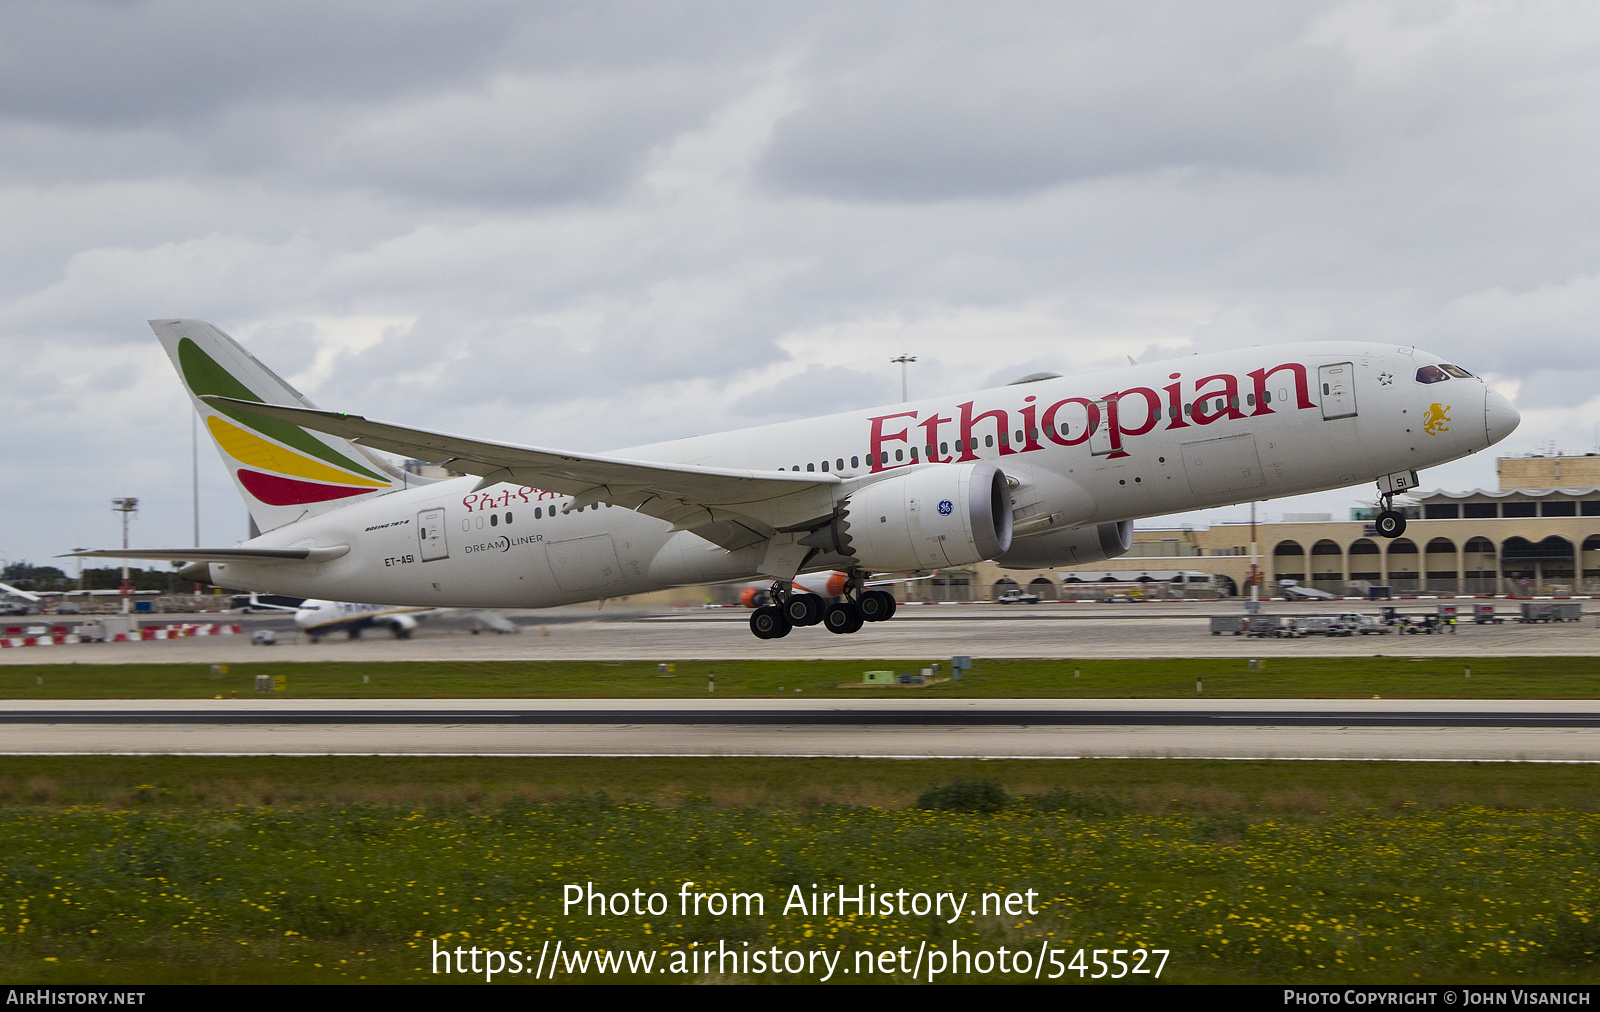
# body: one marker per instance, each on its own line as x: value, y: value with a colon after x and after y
x: 1390, y: 522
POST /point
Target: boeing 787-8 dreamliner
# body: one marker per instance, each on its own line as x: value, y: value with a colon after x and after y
x: 1047, y: 472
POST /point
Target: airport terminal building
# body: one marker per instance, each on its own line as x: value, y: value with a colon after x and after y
x: 1537, y: 534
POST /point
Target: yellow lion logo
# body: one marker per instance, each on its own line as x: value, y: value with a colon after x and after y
x: 1433, y: 422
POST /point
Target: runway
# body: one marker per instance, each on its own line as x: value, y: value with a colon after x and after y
x: 1462, y: 730
x: 918, y: 632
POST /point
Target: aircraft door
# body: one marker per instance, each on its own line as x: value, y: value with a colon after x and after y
x: 430, y: 535
x: 1338, y: 390
x: 1100, y: 438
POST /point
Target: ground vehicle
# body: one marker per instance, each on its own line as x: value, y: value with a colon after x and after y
x: 1366, y: 625
x: 1320, y: 625
x: 1017, y: 596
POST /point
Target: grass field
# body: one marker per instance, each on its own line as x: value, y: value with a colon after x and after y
x: 1360, y: 677
x: 325, y: 869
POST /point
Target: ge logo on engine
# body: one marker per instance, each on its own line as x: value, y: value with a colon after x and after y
x: 946, y: 507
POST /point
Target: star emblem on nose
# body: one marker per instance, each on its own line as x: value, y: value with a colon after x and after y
x: 1386, y: 378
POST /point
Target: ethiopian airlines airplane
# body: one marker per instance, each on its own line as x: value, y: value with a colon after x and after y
x: 1048, y: 471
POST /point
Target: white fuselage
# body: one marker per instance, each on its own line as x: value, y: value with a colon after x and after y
x: 1173, y: 436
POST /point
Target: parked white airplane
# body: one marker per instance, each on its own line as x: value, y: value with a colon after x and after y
x: 1048, y: 472
x: 320, y: 618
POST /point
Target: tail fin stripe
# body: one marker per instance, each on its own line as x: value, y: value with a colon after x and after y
x: 204, y: 376
x: 249, y: 448
x: 276, y: 490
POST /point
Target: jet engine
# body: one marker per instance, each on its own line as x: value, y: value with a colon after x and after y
x: 402, y: 626
x: 927, y: 518
x: 1077, y: 547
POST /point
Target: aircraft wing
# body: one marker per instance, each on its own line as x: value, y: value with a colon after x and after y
x: 730, y: 507
x: 24, y: 594
x: 215, y: 554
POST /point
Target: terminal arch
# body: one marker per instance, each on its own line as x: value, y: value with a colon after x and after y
x: 1403, y: 565
x: 1481, y: 571
x: 1439, y: 565
x: 1289, y: 561
x: 1366, y: 562
x: 1546, y: 566
x: 1590, y: 563
x: 1327, y: 566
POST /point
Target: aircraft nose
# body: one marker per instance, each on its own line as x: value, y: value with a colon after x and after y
x: 1500, y: 419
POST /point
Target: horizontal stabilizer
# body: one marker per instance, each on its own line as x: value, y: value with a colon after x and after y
x: 216, y: 554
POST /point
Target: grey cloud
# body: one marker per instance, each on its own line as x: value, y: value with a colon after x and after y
x: 123, y: 64
x: 819, y: 390
x: 1028, y: 96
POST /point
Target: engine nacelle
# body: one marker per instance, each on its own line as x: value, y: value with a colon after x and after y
x: 1078, y: 547
x: 929, y: 518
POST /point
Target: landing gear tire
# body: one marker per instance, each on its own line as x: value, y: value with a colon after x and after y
x: 876, y: 606
x: 804, y: 609
x: 1391, y: 523
x: 842, y: 617
x: 769, y: 623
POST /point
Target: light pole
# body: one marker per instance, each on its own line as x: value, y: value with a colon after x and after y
x: 1255, y: 572
x: 904, y: 360
x: 127, y: 507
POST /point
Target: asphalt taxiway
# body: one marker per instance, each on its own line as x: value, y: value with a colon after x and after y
x: 1460, y: 730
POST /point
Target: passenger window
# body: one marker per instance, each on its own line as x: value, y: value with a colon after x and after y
x: 1250, y: 399
x: 466, y: 523
x: 1033, y: 433
x: 988, y: 440
x: 824, y: 466
x: 1431, y: 374
x: 508, y: 516
x: 854, y: 462
x: 960, y: 448
x: 538, y: 512
x: 913, y: 453
x: 884, y: 457
x: 1065, y: 428
x: 1019, y: 438
x: 1005, y: 439
x: 1233, y: 402
x: 838, y: 465
x: 1188, y: 409
x: 1266, y: 397
x: 494, y: 520
x: 944, y: 449
x: 811, y: 467
x: 899, y: 455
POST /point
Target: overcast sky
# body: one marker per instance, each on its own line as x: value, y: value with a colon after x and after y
x: 589, y: 225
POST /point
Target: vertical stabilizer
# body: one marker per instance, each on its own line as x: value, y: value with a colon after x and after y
x: 284, y: 472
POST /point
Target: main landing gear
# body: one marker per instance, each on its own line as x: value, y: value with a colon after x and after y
x: 847, y: 615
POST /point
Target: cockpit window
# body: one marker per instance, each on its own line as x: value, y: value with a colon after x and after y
x: 1431, y: 374
x: 1455, y: 370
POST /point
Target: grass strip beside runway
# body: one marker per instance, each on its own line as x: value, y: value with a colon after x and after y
x: 283, y: 870
x: 1220, y: 678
